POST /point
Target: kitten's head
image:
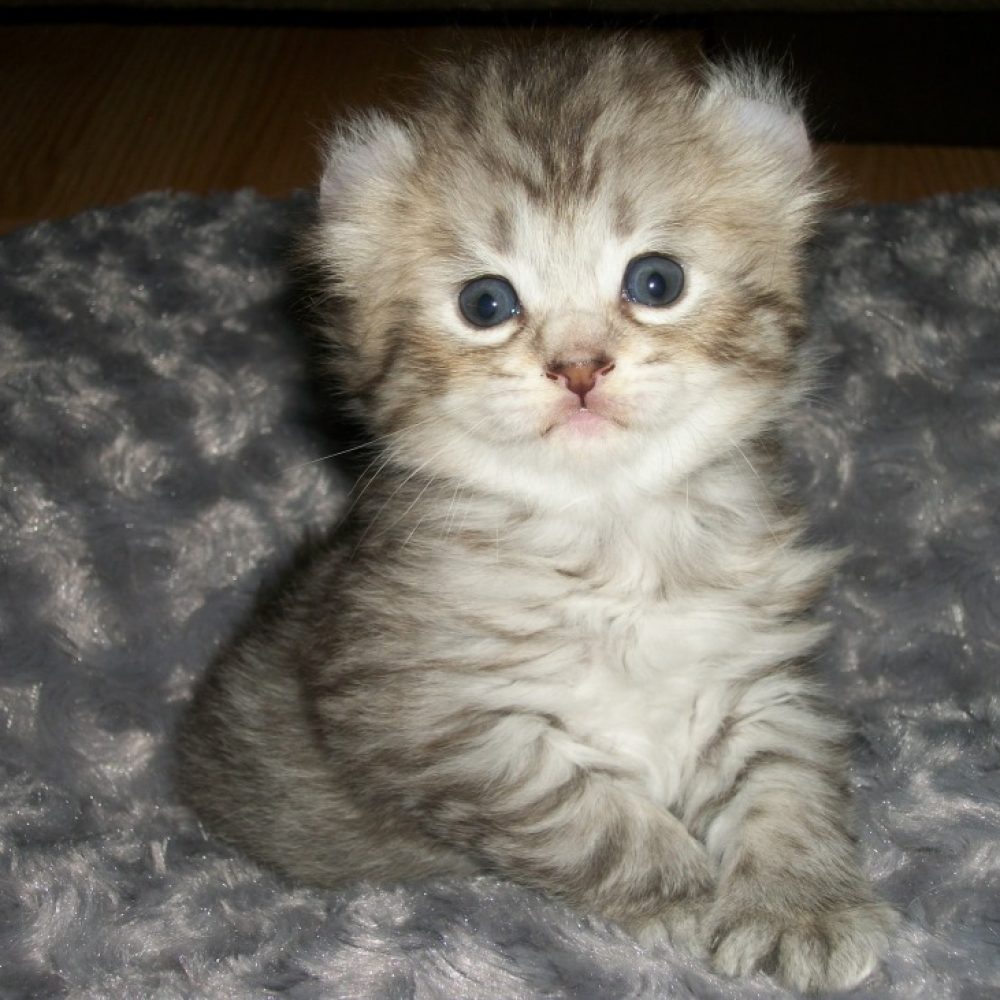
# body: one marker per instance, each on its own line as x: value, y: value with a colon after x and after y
x: 573, y: 269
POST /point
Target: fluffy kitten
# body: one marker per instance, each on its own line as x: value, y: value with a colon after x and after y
x: 561, y: 633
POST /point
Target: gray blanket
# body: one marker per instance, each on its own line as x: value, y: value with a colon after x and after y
x: 162, y: 452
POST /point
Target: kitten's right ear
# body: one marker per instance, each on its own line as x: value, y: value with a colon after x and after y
x: 363, y: 158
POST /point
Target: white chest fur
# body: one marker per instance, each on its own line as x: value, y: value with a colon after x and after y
x: 632, y: 636
x: 650, y: 681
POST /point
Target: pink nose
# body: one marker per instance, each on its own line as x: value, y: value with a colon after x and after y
x: 579, y: 376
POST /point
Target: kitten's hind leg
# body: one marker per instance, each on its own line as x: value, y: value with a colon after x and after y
x: 792, y: 900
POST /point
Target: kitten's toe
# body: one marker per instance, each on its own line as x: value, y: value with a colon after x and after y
x: 744, y: 944
x: 682, y: 922
x: 837, y: 950
x: 832, y: 950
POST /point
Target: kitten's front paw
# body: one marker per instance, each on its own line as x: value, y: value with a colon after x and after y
x: 833, y: 949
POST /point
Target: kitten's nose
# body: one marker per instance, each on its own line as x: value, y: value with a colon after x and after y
x: 579, y: 376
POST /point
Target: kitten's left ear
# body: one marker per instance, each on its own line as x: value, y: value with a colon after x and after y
x: 758, y: 110
x: 758, y: 123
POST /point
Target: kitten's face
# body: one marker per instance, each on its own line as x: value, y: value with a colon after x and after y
x: 567, y: 265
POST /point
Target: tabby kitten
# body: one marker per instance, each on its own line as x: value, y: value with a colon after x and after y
x: 561, y: 633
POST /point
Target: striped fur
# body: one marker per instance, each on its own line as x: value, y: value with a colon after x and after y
x: 569, y: 650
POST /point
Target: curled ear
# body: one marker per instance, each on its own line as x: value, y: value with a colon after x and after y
x: 760, y: 112
x: 757, y: 121
x: 363, y: 157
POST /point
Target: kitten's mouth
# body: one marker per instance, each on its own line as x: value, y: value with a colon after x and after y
x: 582, y: 422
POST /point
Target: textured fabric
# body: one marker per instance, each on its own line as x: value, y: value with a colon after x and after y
x: 161, y: 452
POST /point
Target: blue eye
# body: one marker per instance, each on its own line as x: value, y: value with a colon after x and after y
x: 653, y: 281
x: 488, y: 301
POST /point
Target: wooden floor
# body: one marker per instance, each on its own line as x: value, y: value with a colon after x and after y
x: 92, y: 114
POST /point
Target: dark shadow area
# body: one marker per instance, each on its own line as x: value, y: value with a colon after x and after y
x: 914, y: 77
x: 879, y: 77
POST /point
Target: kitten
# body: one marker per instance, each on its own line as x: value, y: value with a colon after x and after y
x: 561, y: 634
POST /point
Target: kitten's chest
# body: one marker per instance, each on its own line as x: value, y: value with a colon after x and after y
x: 626, y: 668
x: 646, y: 683
x: 618, y: 633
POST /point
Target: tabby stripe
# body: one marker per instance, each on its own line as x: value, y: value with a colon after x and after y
x: 386, y: 365
x: 761, y: 760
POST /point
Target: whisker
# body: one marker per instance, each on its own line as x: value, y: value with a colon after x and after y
x: 449, y: 520
x: 413, y: 532
x: 389, y: 499
x: 403, y: 483
x: 374, y: 442
x: 763, y: 517
x: 333, y: 454
x: 386, y: 458
x: 465, y: 515
x: 414, y: 502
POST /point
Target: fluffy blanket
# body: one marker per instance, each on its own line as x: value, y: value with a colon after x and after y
x: 162, y: 451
